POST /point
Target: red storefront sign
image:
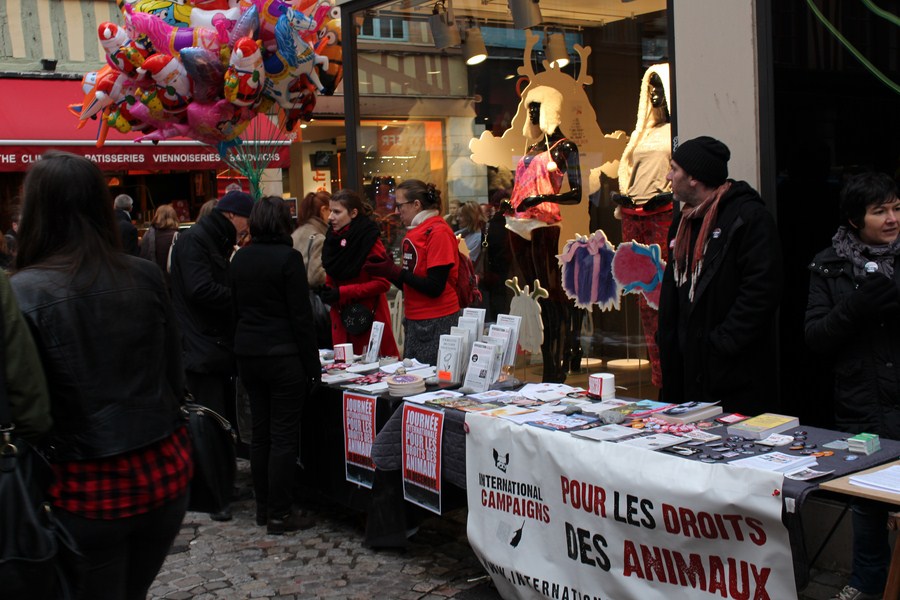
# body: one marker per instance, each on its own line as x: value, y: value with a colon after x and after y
x: 34, y: 117
x: 143, y: 157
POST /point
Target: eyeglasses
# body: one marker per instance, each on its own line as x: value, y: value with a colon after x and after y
x: 399, y: 204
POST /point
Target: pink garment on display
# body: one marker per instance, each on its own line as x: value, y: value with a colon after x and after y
x: 534, y: 179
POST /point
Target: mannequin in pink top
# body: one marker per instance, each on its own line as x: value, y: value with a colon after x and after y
x: 533, y: 218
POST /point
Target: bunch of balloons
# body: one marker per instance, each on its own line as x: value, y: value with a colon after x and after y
x: 204, y: 69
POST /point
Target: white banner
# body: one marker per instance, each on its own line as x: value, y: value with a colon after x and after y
x: 554, y: 516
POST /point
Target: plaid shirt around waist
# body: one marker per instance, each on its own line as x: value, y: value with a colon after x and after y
x: 127, y: 484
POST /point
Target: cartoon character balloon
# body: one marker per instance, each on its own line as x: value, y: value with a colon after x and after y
x: 205, y: 68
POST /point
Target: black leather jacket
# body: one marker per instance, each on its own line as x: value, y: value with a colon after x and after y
x: 202, y: 296
x: 109, y: 344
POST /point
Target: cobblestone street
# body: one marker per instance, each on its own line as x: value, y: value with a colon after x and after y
x: 236, y: 559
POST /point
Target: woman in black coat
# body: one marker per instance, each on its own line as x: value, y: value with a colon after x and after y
x: 277, y: 356
x: 851, y: 316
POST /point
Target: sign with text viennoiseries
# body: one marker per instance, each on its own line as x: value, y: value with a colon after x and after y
x: 359, y: 433
x: 554, y: 516
x: 423, y: 429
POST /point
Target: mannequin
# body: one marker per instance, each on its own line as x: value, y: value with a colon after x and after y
x: 645, y: 196
x: 548, y: 161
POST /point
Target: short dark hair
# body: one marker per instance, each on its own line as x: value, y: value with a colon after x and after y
x: 426, y: 193
x: 311, y: 205
x: 270, y: 218
x: 352, y: 200
x: 865, y: 190
x: 67, y: 215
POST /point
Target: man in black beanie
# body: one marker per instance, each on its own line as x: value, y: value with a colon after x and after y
x: 201, y: 297
x: 721, y: 287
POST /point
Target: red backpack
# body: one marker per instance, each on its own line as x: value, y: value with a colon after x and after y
x: 467, y: 283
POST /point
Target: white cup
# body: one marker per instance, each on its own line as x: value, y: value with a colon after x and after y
x: 343, y: 353
x: 602, y: 385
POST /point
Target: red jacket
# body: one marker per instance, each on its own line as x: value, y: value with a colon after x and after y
x: 370, y: 292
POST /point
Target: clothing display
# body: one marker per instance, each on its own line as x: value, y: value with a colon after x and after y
x: 587, y: 274
x: 642, y: 180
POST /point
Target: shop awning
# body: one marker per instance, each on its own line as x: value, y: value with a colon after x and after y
x: 34, y: 117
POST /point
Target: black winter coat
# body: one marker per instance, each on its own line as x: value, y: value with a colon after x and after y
x: 128, y: 232
x: 87, y: 329
x: 721, y: 346
x: 864, y: 350
x: 201, y: 294
x: 271, y: 301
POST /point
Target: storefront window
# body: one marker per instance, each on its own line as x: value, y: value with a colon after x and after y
x: 425, y: 114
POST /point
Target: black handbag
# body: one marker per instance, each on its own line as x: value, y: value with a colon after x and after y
x: 357, y: 318
x: 38, y: 556
x: 213, y: 440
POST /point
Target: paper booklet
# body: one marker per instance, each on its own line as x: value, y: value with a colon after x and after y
x: 515, y: 323
x: 471, y: 324
x: 654, y: 441
x: 776, y: 461
x: 480, y: 366
x: 609, y: 432
x: 689, y: 412
x: 499, y: 343
x: 466, y: 335
x: 478, y: 314
x: 761, y: 426
x: 450, y: 356
x: 374, y: 342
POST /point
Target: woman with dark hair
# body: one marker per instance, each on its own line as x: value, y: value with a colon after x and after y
x: 310, y: 234
x: 428, y: 272
x: 157, y: 242
x: 352, y: 239
x: 471, y: 222
x: 119, y: 444
x: 277, y: 357
x: 851, y: 318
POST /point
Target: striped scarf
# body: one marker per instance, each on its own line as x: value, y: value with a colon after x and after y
x: 708, y: 211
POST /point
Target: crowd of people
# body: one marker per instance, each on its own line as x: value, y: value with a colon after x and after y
x: 234, y: 294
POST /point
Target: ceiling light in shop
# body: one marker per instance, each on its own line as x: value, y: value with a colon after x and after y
x: 473, y: 48
x: 556, y: 50
x: 443, y: 28
x: 525, y: 13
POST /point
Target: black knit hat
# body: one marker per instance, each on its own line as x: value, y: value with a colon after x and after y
x: 239, y: 203
x: 705, y: 159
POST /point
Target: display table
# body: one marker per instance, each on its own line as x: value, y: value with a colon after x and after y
x: 389, y: 518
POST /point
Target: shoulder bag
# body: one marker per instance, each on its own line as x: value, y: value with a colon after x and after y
x: 38, y: 556
x: 214, y: 442
x: 357, y: 317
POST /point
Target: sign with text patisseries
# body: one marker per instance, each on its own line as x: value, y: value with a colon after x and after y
x: 555, y: 516
x: 359, y: 434
x: 423, y: 429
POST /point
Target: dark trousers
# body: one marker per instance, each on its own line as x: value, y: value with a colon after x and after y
x: 124, y: 555
x: 210, y: 390
x: 277, y: 387
x: 871, y: 550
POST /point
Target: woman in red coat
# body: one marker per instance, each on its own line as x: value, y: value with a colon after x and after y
x: 353, y: 238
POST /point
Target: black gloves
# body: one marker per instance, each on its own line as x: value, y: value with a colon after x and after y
x: 330, y: 296
x: 875, y: 296
x: 382, y: 266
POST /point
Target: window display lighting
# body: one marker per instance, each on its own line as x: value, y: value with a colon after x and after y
x: 525, y: 13
x: 557, y: 54
x: 473, y: 48
x: 443, y: 27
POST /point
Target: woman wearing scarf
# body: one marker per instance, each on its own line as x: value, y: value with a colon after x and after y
x: 851, y: 317
x: 352, y: 239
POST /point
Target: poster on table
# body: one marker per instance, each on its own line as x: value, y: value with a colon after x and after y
x: 554, y: 516
x: 359, y: 433
x: 422, y: 431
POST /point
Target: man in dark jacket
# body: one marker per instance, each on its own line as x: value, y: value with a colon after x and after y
x: 721, y: 287
x: 202, y: 299
x: 123, y: 204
